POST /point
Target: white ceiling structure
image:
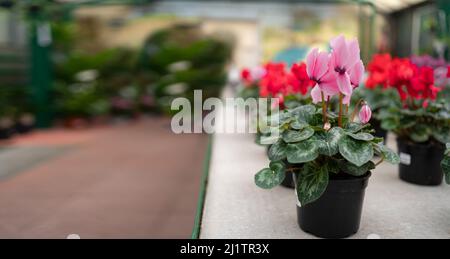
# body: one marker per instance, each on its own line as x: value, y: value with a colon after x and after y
x: 394, y: 5
x: 386, y: 6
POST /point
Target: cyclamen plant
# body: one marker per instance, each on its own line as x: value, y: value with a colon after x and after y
x: 419, y: 115
x: 377, y: 92
x: 289, y: 88
x: 446, y: 164
x: 314, y: 141
x: 250, y: 80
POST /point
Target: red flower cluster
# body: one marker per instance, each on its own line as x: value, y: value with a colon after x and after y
x: 378, y: 70
x: 246, y: 76
x: 279, y: 82
x: 422, y: 85
x: 409, y: 80
x: 303, y: 82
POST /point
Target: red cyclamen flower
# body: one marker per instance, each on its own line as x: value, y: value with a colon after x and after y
x: 378, y: 70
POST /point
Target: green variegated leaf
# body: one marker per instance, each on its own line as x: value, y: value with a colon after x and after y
x: 388, y: 154
x: 298, y: 125
x: 445, y: 164
x: 285, y: 118
x: 361, y: 136
x: 441, y: 134
x: 293, y: 136
x: 316, y: 119
x: 302, y: 152
x: 355, y: 151
x: 378, y: 140
x: 311, y: 184
x: 277, y: 151
x: 354, y: 170
x: 304, y: 113
x: 269, y: 139
x: 420, y: 133
x: 271, y: 177
x: 333, y: 166
x: 327, y: 142
x: 355, y: 127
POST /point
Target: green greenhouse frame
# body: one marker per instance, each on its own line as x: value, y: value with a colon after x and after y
x: 40, y: 72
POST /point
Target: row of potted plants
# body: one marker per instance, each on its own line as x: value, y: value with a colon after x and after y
x: 326, y: 146
x: 416, y: 109
x: 123, y: 82
x: 15, y: 111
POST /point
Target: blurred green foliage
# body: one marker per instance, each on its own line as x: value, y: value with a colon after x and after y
x: 184, y: 60
x: 172, y: 63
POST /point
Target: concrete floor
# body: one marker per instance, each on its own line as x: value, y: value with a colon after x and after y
x: 127, y: 181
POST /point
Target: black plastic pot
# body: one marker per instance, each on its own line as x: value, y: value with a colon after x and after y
x: 288, y: 181
x: 420, y: 163
x: 6, y: 133
x: 22, y: 128
x: 337, y: 213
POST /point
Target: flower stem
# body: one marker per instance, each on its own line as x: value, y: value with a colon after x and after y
x: 340, y: 110
x: 355, y: 111
x: 324, y: 109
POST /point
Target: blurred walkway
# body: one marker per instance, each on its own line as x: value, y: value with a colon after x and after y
x: 126, y: 181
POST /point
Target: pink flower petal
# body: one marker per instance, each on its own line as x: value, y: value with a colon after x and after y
x: 340, y: 52
x: 329, y: 85
x: 365, y: 114
x: 354, y: 53
x: 322, y: 64
x: 316, y: 94
x: 357, y: 73
x: 346, y: 100
x: 311, y: 62
x: 343, y: 82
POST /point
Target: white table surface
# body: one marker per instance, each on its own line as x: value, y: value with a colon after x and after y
x: 235, y: 208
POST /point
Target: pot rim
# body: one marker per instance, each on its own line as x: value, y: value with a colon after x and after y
x: 353, y: 178
x: 429, y: 144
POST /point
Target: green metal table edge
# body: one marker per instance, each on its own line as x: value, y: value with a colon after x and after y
x: 202, y: 192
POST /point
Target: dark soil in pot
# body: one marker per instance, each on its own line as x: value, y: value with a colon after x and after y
x: 420, y: 163
x: 337, y: 213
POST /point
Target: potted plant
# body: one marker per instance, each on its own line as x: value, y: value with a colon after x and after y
x: 421, y: 122
x: 445, y: 164
x: 330, y: 151
x: 377, y: 92
x: 250, y: 82
x: 289, y: 88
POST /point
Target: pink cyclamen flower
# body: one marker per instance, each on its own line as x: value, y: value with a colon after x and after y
x: 365, y: 114
x: 344, y: 58
x: 356, y: 76
x: 317, y: 68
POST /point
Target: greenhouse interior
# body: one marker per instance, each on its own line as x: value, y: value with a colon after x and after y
x: 224, y: 119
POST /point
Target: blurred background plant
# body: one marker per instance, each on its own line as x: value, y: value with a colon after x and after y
x: 181, y: 59
x: 124, y: 82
